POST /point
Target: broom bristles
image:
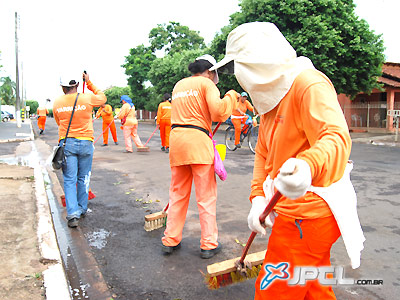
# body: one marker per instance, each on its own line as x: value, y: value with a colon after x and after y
x: 155, y: 221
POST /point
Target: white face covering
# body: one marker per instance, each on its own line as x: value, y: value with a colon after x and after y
x: 265, y: 64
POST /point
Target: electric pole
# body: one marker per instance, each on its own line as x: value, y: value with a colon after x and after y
x: 17, y: 100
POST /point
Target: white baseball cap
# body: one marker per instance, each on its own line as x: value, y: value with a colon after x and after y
x: 212, y: 61
x: 69, y: 80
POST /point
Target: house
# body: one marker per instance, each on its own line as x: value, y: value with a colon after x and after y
x: 369, y: 112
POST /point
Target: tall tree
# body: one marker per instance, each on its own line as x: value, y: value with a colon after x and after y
x: 137, y: 65
x: 174, y: 37
x: 328, y: 32
x: 114, y: 94
x: 7, y: 91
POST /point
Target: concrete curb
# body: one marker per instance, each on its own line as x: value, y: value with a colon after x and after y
x: 30, y: 136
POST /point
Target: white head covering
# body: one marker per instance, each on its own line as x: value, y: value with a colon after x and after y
x: 212, y: 61
x: 265, y: 64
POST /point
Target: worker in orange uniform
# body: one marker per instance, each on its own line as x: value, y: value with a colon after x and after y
x: 42, y: 113
x: 195, y: 104
x: 106, y: 113
x: 302, y: 151
x: 239, y: 116
x: 127, y: 116
x: 79, y: 143
x: 164, y: 121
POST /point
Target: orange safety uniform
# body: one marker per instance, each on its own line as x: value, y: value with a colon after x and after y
x: 130, y: 126
x: 81, y: 125
x: 195, y: 101
x: 164, y: 120
x: 308, y: 124
x: 237, y: 118
x: 42, y: 113
x: 108, y: 122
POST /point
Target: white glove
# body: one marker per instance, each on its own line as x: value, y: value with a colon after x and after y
x: 259, y: 204
x: 294, y: 178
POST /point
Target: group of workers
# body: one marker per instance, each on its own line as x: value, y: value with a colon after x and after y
x: 302, y: 151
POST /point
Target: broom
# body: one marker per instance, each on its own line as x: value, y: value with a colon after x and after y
x: 239, y: 269
x: 156, y: 220
x: 159, y: 219
x: 145, y: 148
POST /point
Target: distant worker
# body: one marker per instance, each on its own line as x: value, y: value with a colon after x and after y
x: 79, y: 143
x: 106, y: 113
x: 240, y: 117
x: 196, y: 103
x: 42, y: 112
x: 164, y: 121
x: 128, y: 119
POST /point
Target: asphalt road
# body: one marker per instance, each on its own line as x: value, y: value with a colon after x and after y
x: 130, y: 258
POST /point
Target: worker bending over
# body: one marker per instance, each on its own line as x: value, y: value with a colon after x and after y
x: 164, y: 121
x: 302, y: 151
x: 106, y: 113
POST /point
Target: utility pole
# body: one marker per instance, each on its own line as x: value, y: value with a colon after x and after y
x: 17, y: 100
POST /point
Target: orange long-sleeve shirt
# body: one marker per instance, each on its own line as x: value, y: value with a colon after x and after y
x: 42, y: 111
x: 81, y: 125
x: 243, y: 106
x: 196, y: 101
x: 164, y: 111
x: 106, y: 113
x: 307, y: 124
x: 130, y: 113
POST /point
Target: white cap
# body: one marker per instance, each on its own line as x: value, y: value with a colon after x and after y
x: 69, y: 80
x: 212, y: 61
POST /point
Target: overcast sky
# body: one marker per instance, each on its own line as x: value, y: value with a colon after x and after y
x: 60, y: 36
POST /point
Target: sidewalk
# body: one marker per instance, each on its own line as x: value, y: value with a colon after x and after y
x: 30, y: 260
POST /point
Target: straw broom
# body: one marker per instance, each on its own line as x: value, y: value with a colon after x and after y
x: 238, y: 269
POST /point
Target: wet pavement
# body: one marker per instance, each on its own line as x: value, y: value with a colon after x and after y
x: 129, y: 186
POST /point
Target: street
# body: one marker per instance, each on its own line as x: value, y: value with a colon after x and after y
x: 130, y: 185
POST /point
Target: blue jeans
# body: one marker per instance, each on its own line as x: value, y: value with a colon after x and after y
x: 77, y: 171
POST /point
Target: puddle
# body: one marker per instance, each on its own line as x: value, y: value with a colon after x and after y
x: 97, y: 239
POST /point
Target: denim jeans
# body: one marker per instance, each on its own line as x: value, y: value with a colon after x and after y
x: 76, y: 172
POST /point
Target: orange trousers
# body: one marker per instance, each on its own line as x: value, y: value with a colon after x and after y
x: 113, y: 130
x: 312, y: 249
x: 165, y: 130
x: 41, y: 122
x: 179, y: 195
x: 131, y: 132
x: 237, y: 123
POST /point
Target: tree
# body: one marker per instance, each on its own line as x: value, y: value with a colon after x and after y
x: 137, y: 65
x: 33, y: 106
x: 174, y: 37
x: 114, y: 94
x: 328, y: 32
x: 7, y: 91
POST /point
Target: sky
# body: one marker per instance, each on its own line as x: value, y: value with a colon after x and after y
x: 58, y: 36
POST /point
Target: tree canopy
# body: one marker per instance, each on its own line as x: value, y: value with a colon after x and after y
x: 328, y: 32
x: 7, y: 91
x: 114, y: 94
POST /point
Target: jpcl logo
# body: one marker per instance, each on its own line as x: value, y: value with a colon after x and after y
x: 326, y: 276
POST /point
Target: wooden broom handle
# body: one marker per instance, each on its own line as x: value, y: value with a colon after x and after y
x: 263, y: 216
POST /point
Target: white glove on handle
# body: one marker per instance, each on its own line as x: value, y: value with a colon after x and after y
x: 294, y: 178
x: 259, y: 204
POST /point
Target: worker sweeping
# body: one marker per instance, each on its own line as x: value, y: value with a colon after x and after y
x: 164, y: 121
x: 302, y: 151
x: 106, y: 113
x: 129, y: 122
x: 42, y: 113
x: 195, y: 104
x: 240, y: 117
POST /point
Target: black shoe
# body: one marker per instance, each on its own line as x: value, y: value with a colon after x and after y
x: 73, y: 223
x: 169, y: 249
x: 238, y: 146
x: 41, y: 131
x: 210, y: 253
x: 126, y: 151
x: 167, y: 150
x: 116, y: 143
x: 104, y: 145
x: 162, y: 148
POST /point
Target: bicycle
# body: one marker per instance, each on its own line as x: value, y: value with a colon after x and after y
x: 248, y: 130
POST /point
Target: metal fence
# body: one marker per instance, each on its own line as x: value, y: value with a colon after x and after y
x: 369, y: 115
